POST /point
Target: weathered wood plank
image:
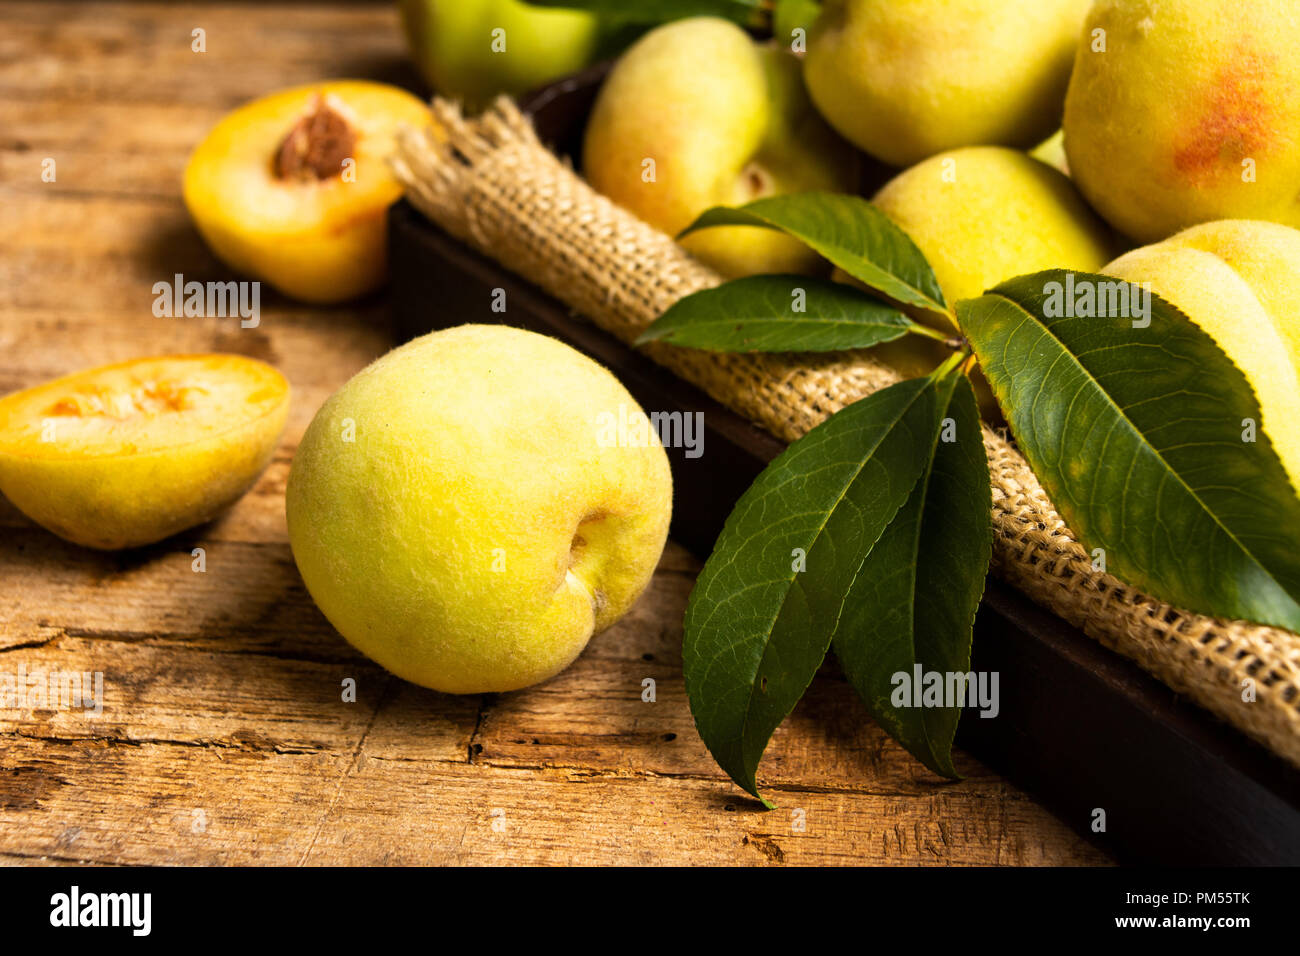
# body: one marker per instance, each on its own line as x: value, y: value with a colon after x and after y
x: 187, y: 804
x: 220, y: 698
x: 133, y: 52
x: 36, y: 344
x: 590, y: 720
x: 159, y: 803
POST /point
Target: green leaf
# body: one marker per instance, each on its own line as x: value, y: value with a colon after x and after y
x: 1137, y: 435
x: 913, y: 602
x: 758, y: 314
x: 851, y: 233
x: 661, y: 11
x: 765, y: 606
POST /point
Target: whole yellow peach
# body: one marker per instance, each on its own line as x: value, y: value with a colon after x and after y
x: 465, y: 514
x: 1186, y: 111
x: 696, y: 114
x: 905, y: 79
x: 984, y: 214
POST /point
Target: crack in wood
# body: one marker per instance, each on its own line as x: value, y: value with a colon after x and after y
x: 29, y: 645
x: 234, y: 742
x: 384, y: 696
x: 485, y: 703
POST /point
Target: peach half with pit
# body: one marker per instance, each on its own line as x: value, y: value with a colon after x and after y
x: 294, y: 188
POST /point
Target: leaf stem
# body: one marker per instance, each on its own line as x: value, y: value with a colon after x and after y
x: 920, y: 328
x: 958, y: 343
x: 949, y: 364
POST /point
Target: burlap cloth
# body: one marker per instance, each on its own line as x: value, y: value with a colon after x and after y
x: 489, y: 182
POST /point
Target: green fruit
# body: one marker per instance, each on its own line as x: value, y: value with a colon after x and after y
x: 458, y: 45
x: 905, y: 79
x: 1239, y: 281
x: 696, y: 115
x: 461, y: 514
x: 986, y: 214
x: 1191, y: 113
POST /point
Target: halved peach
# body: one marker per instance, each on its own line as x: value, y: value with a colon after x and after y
x: 128, y: 454
x: 293, y: 188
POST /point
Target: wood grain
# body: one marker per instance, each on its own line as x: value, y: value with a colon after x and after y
x: 225, y: 736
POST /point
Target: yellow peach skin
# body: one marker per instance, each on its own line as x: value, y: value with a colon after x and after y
x: 905, y: 79
x: 986, y: 214
x: 1240, y: 282
x: 696, y: 115
x: 982, y: 215
x: 462, y: 515
x: 293, y: 188
x: 129, y: 454
x: 1052, y: 152
x: 1187, y: 111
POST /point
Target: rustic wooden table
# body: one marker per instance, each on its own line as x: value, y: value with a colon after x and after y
x: 224, y: 737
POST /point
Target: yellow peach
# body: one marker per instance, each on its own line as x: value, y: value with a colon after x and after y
x: 905, y: 79
x: 696, y: 115
x: 464, y: 513
x: 1186, y: 111
x: 984, y: 214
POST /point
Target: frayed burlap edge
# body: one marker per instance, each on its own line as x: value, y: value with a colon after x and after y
x: 491, y: 183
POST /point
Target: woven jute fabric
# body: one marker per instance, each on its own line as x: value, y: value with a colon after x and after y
x: 491, y: 183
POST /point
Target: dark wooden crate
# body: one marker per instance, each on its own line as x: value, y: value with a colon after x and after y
x: 1079, y: 727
